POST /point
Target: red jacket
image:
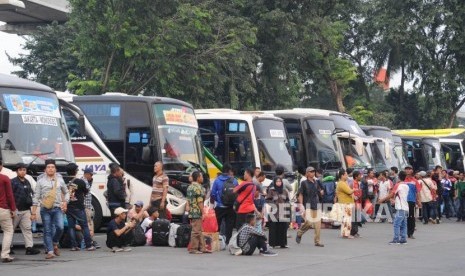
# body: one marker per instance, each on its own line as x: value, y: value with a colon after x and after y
x: 245, y: 196
x: 7, y: 199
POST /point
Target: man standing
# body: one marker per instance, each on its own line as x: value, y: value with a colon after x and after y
x: 460, y: 194
x: 88, y: 179
x: 245, y: 198
x: 76, y: 213
x: 195, y: 197
x: 393, y: 175
x: 119, y: 232
x: 310, y: 193
x: 52, y: 195
x: 447, y: 186
x: 7, y: 213
x: 426, y: 195
x: 400, y: 192
x: 160, y: 184
x: 115, y: 189
x: 23, y: 194
x: 224, y: 211
x: 437, y: 179
x: 413, y: 199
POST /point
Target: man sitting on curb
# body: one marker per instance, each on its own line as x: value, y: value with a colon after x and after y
x: 119, y: 232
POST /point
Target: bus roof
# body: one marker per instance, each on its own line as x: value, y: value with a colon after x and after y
x: 297, y: 115
x: 114, y: 96
x: 233, y: 115
x: 10, y: 81
x: 368, y: 128
x: 445, y: 132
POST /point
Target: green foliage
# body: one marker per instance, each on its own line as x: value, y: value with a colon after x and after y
x: 262, y: 54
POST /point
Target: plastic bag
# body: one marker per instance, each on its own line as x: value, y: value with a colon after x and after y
x: 209, y: 223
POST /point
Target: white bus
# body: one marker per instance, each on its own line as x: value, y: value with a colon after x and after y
x: 141, y: 149
x: 245, y: 139
x: 32, y: 128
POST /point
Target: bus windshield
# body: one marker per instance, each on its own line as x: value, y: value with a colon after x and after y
x: 178, y: 136
x: 380, y: 161
x: 438, y: 158
x: 272, y: 144
x: 347, y: 123
x: 353, y: 160
x: 321, y: 149
x: 38, y: 113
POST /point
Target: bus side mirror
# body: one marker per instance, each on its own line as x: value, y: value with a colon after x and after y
x: 359, y: 146
x: 4, y: 120
x: 387, y: 150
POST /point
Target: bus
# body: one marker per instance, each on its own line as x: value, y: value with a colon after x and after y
x: 423, y: 153
x: 140, y: 131
x: 91, y: 152
x: 397, y: 156
x: 452, y: 144
x: 245, y: 139
x: 400, y: 150
x: 354, y: 146
x: 312, y: 140
x: 32, y: 128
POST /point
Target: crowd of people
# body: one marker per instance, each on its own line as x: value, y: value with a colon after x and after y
x: 249, y: 206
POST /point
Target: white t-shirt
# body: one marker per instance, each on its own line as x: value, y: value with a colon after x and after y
x: 401, y: 197
x: 384, y: 187
x: 146, y: 223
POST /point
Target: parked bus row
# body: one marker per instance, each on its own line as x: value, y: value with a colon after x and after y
x: 137, y: 131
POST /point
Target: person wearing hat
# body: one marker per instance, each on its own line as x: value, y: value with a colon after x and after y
x: 23, y: 194
x: 310, y: 192
x: 138, y: 212
x: 76, y: 213
x: 51, y: 189
x: 428, y: 188
x: 88, y: 179
x: 119, y: 232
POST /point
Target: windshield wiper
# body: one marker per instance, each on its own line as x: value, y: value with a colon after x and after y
x: 197, y: 166
x: 37, y: 155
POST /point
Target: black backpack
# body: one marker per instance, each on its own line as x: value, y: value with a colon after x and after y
x: 139, y: 236
x: 160, y: 232
x: 228, y: 196
x: 183, y: 235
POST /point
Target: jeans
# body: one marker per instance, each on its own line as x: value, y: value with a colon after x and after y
x: 425, y: 211
x: 400, y: 226
x: 76, y: 216
x: 448, y: 211
x: 433, y: 210
x: 52, y: 219
x: 461, y: 213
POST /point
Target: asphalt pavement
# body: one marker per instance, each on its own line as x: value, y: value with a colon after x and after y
x: 437, y: 250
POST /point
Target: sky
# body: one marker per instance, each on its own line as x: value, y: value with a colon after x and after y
x: 10, y: 44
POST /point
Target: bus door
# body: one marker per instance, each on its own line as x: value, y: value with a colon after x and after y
x: 239, y: 152
x: 139, y: 154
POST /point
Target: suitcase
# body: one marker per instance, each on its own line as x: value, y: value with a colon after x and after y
x: 160, y: 232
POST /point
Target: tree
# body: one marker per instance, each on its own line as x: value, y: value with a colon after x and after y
x: 51, y: 59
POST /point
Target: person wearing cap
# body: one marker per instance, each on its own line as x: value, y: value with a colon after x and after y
x: 428, y: 188
x: 88, y: 179
x: 23, y: 194
x: 52, y: 218
x: 138, y: 212
x: 7, y: 213
x: 310, y: 194
x: 119, y: 232
x: 76, y: 213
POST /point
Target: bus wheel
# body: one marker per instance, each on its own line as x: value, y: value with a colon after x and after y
x: 97, y: 214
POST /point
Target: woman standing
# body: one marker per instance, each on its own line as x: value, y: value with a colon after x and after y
x: 345, y: 198
x: 277, y: 222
